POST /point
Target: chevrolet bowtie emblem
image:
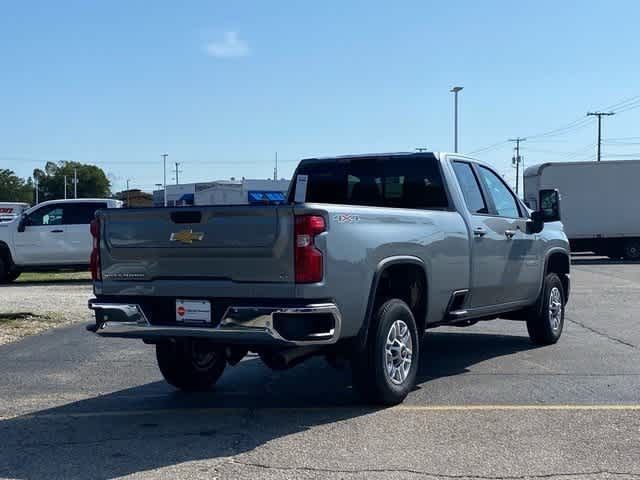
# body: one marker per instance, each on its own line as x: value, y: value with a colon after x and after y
x: 186, y: 236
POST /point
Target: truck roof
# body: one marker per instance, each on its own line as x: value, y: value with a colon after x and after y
x: 535, y: 170
x: 110, y: 201
x: 385, y: 154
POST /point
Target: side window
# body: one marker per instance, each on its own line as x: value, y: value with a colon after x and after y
x: 503, y: 199
x: 81, y: 213
x: 414, y: 183
x: 470, y: 187
x: 49, y: 215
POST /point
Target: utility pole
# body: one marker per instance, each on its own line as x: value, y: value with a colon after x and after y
x: 65, y: 187
x: 128, y: 195
x: 275, y: 169
x: 164, y: 176
x: 517, y: 159
x: 35, y: 184
x: 75, y: 183
x: 177, y: 172
x: 455, y: 91
x: 599, y: 115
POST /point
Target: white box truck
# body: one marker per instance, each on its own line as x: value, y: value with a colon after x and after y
x: 11, y: 210
x: 600, y: 204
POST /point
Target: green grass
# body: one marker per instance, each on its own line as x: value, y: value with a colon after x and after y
x: 14, y: 326
x: 53, y: 277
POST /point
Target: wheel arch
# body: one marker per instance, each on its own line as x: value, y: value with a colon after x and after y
x: 558, y: 260
x: 385, y: 266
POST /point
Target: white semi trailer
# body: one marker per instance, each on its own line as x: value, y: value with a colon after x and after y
x: 600, y: 203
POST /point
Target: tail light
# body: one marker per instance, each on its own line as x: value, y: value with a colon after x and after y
x: 94, y: 260
x: 308, y: 259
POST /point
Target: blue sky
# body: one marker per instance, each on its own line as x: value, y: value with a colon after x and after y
x: 222, y: 86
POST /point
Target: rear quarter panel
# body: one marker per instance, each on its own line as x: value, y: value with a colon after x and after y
x: 359, y: 239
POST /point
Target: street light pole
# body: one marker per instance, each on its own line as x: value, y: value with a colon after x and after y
x: 164, y: 176
x: 455, y: 91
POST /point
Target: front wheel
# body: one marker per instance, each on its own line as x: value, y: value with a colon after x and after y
x: 385, y: 371
x: 190, y: 365
x: 6, y: 274
x: 546, y: 319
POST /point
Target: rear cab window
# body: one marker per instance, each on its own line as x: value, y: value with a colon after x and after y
x: 410, y: 181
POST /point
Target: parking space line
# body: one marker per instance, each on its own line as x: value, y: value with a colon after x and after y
x: 399, y: 408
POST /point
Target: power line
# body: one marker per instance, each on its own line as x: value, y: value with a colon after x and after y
x: 623, y: 103
x: 622, y: 138
x: 578, y: 124
x: 579, y: 152
x: 628, y: 107
x: 489, y: 147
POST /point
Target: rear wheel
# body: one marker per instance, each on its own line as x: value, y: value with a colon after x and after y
x: 190, y: 365
x: 386, y: 371
x: 631, y: 249
x: 546, y: 320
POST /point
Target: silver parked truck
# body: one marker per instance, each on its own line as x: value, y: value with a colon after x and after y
x: 368, y: 253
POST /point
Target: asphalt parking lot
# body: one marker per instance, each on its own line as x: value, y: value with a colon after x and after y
x: 488, y: 405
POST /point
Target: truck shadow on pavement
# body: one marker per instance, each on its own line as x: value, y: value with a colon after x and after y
x: 152, y: 426
x: 602, y: 261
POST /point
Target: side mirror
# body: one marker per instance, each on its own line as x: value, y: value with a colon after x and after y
x: 550, y: 205
x: 536, y: 223
x: 22, y: 223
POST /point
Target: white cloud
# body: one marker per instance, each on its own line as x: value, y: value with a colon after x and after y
x: 230, y: 46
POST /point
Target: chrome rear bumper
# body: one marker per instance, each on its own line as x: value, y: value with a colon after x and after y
x: 239, y: 325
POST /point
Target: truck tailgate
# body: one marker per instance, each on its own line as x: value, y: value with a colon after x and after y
x: 234, y: 243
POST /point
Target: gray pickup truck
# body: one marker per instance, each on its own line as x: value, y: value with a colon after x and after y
x: 368, y: 253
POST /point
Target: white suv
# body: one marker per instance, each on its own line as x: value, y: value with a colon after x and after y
x: 52, y: 235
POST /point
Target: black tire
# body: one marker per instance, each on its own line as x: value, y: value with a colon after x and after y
x: 190, y: 365
x: 271, y: 361
x: 5, y: 274
x: 13, y: 274
x: 375, y: 380
x: 545, y: 320
x: 631, y: 249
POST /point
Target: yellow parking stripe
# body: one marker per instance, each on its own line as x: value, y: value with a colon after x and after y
x: 400, y: 408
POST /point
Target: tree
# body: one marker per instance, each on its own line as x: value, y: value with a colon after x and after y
x: 14, y: 188
x: 92, y: 181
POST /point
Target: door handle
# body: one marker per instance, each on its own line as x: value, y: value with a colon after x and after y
x: 57, y: 231
x: 479, y: 232
x: 509, y: 233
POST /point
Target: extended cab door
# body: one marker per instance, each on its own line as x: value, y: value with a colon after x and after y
x: 43, y: 240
